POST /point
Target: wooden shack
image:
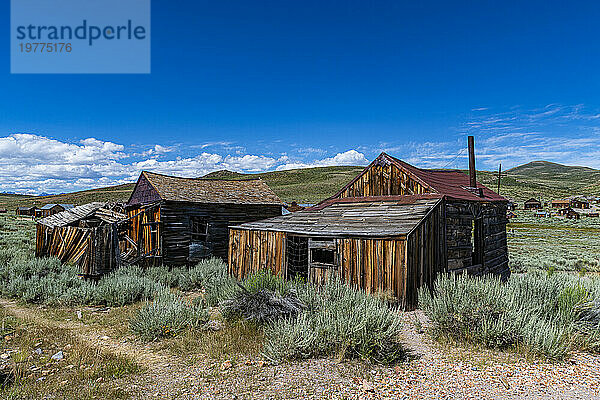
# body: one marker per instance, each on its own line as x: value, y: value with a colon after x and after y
x: 26, y: 211
x: 532, y: 204
x: 561, y: 203
x: 580, y: 203
x: 392, y: 229
x: 182, y: 220
x: 90, y: 236
x: 51, y: 209
x: 569, y: 213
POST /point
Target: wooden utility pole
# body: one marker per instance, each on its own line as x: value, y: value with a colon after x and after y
x: 499, y: 177
x: 472, y: 173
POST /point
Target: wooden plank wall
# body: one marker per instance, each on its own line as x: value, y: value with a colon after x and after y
x: 458, y: 226
x: 375, y: 265
x: 140, y: 227
x: 384, y: 180
x: 250, y: 251
x: 176, y: 234
x: 68, y: 244
x: 426, y: 255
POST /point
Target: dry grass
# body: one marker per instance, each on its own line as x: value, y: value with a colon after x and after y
x: 83, y: 373
x: 237, y: 341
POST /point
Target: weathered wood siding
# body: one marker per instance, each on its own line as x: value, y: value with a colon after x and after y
x: 176, y: 234
x: 375, y: 265
x: 426, y: 255
x: 459, y: 217
x: 384, y: 180
x: 250, y: 251
x: 92, y: 249
x: 144, y: 192
x: 145, y: 230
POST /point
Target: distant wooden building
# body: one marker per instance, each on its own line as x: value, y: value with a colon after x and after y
x: 89, y: 236
x: 580, y: 203
x: 51, y: 209
x: 532, y: 204
x: 541, y: 214
x: 293, y: 207
x: 561, y: 203
x: 182, y: 220
x: 26, y: 211
x: 392, y: 229
x: 568, y: 212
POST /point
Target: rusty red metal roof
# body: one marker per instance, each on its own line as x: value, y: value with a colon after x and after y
x: 451, y: 184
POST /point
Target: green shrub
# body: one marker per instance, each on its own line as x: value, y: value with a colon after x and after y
x: 167, y: 316
x: 339, y: 320
x: 535, y: 310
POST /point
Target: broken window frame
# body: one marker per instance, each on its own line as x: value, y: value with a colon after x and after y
x: 198, y: 229
x: 322, y: 245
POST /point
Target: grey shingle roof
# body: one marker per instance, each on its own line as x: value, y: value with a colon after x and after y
x: 379, y: 219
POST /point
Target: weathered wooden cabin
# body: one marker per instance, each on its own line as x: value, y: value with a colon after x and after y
x: 532, y: 204
x: 90, y: 236
x: 561, y: 203
x: 580, y: 203
x: 183, y: 220
x: 392, y: 229
x: 26, y: 211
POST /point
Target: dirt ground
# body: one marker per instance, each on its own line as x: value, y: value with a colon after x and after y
x: 434, y: 371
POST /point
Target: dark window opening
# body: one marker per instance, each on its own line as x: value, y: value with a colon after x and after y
x: 297, y: 257
x: 199, y: 229
x: 323, y: 256
x: 322, y: 252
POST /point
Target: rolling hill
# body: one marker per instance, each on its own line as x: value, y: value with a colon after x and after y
x: 310, y: 185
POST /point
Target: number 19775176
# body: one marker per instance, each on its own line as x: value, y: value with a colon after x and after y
x: 45, y: 47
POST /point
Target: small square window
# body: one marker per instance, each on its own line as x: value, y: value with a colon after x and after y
x: 199, y: 229
x: 322, y: 252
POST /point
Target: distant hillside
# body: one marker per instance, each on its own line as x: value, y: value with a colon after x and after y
x: 550, y: 180
x: 111, y: 193
x: 310, y: 185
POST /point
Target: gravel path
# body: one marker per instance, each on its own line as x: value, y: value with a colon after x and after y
x: 434, y: 371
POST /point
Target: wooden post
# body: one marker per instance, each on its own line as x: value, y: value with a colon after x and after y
x: 472, y: 173
x: 499, y: 177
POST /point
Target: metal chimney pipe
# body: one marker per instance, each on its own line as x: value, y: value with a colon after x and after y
x: 472, y: 173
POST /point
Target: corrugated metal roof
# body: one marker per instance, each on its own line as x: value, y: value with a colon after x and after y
x: 452, y: 184
x: 377, y: 219
x: 67, y: 217
x: 200, y: 190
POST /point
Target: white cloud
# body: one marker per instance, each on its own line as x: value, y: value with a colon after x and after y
x: 350, y: 157
x: 36, y: 164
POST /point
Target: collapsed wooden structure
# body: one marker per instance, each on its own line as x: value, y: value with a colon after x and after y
x: 392, y: 229
x: 182, y: 220
x: 92, y: 236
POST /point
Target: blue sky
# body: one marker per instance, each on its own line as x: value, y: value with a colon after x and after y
x: 265, y: 85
